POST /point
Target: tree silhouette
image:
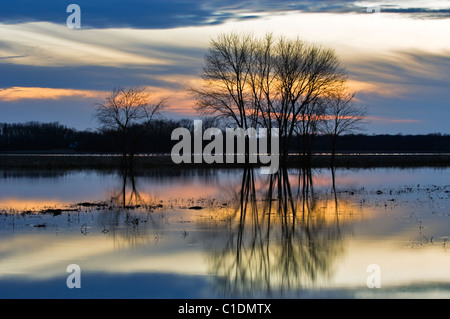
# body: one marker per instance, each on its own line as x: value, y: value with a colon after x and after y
x: 266, y: 82
x: 128, y: 112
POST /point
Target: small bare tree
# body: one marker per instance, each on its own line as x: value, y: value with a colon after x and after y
x: 128, y: 111
x: 342, y: 116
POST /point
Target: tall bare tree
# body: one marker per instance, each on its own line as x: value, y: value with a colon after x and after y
x: 308, y: 127
x: 128, y: 111
x: 266, y: 82
x: 225, y: 92
x: 304, y: 73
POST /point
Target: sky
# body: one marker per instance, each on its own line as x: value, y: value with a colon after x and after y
x: 397, y: 54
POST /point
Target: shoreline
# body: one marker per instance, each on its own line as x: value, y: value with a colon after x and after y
x: 113, y: 161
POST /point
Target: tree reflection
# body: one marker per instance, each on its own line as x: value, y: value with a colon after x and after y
x: 123, y: 198
x: 128, y: 211
x: 278, y: 241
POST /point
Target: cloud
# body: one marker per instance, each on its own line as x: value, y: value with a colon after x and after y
x: 11, y: 57
x: 97, y: 78
x: 390, y: 120
x: 402, y: 73
x: 413, y: 8
x: 182, y: 13
x: 375, y: 88
x: 40, y: 93
x: 118, y: 14
x: 55, y: 56
x: 43, y: 43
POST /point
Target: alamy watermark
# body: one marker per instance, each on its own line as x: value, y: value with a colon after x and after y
x: 374, y: 279
x: 74, y: 279
x: 74, y: 19
x: 214, y: 151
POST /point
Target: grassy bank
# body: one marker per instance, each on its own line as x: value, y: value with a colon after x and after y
x: 84, y: 161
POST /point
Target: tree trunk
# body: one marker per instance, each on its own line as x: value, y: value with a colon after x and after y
x: 333, y: 149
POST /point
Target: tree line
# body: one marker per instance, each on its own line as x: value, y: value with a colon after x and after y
x: 35, y: 136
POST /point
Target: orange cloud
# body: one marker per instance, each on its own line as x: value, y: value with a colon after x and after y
x: 382, y: 89
x: 21, y: 93
x: 179, y: 101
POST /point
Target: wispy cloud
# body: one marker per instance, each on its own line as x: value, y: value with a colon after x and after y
x: 48, y: 44
x: 380, y: 119
x: 39, y: 93
x: 413, y: 8
x: 376, y: 88
x: 12, y: 57
x: 403, y: 73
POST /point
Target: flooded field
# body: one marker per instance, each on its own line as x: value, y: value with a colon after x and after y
x: 226, y: 233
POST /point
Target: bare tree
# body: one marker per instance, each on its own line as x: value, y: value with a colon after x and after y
x: 225, y: 91
x: 308, y: 127
x: 304, y: 73
x: 266, y: 82
x: 128, y: 111
x: 262, y: 77
x: 342, y: 116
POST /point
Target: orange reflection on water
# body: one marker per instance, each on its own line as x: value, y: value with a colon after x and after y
x: 31, y: 204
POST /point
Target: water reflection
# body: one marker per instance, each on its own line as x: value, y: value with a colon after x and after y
x: 126, y: 210
x: 279, y: 235
x: 134, y: 198
x: 278, y: 239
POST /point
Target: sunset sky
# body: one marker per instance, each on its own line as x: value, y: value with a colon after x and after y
x: 397, y: 54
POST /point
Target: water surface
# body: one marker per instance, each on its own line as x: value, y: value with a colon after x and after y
x: 226, y: 233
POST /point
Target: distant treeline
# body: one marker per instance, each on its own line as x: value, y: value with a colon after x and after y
x: 433, y: 143
x: 34, y: 136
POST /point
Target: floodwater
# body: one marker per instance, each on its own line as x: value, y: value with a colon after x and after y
x: 231, y: 233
